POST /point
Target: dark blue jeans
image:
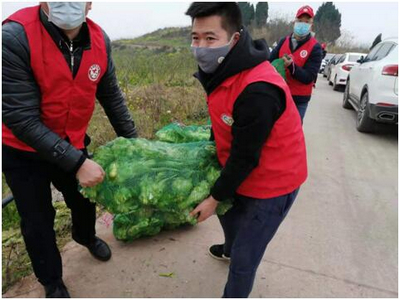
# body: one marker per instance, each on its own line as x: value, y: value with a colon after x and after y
x: 302, y: 108
x: 248, y: 228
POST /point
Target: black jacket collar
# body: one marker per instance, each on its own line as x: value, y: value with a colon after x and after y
x: 58, y: 36
x: 299, y: 43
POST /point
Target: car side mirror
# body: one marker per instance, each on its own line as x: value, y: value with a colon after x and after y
x: 361, y: 60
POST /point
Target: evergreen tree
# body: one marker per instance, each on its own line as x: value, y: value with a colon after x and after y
x: 247, y: 12
x: 261, y: 16
x: 327, y: 22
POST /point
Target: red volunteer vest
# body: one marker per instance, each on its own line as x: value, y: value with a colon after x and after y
x: 300, y: 57
x: 282, y: 167
x: 67, y: 103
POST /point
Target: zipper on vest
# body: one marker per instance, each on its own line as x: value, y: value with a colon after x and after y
x: 71, y: 51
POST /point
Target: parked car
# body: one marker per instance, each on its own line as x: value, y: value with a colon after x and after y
x: 327, y: 58
x: 339, y: 73
x: 330, y: 64
x: 372, y: 89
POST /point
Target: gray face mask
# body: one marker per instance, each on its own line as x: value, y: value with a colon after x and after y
x: 67, y: 15
x: 210, y: 58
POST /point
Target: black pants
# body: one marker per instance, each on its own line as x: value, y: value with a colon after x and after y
x: 29, y: 179
x: 248, y: 228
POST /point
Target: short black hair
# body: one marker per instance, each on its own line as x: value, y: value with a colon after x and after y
x: 229, y: 11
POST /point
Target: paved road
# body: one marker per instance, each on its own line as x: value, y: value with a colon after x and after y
x: 339, y: 240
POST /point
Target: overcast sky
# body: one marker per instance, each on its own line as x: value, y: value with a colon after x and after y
x: 364, y: 20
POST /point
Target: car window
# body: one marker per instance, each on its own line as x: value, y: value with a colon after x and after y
x: 342, y: 59
x: 337, y: 58
x: 394, y: 51
x: 354, y: 57
x: 329, y: 56
x: 372, y: 54
x: 383, y: 51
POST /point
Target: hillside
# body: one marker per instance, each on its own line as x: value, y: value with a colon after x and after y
x: 167, y: 38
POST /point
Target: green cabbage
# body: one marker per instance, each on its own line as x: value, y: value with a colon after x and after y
x: 153, y: 185
x: 179, y: 133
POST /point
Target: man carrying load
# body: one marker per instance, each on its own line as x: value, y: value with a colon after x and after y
x: 258, y: 136
x: 55, y: 63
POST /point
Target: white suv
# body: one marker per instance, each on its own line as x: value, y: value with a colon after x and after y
x: 372, y: 86
x: 341, y: 70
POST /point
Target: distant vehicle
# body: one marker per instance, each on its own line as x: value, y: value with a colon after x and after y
x: 327, y: 58
x: 330, y: 64
x: 372, y: 89
x: 339, y: 73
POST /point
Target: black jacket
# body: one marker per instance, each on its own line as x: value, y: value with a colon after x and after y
x: 254, y: 113
x: 306, y: 74
x: 22, y: 97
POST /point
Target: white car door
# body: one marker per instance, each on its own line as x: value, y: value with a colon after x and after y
x: 360, y: 77
x: 375, y: 83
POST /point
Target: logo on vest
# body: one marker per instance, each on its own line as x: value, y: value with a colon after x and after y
x: 227, y: 120
x: 94, y: 72
x: 303, y: 54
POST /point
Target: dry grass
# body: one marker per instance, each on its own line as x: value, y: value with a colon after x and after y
x: 153, y: 107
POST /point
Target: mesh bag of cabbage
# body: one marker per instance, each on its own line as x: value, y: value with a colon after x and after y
x: 179, y: 133
x: 151, y: 185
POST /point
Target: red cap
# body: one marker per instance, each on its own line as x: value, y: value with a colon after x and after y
x: 305, y: 10
x: 323, y: 45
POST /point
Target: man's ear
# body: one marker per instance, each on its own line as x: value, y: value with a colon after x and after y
x: 236, y: 37
x: 88, y: 7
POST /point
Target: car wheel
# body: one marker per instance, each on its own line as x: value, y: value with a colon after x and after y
x: 364, y: 122
x: 346, y: 97
x: 335, y: 86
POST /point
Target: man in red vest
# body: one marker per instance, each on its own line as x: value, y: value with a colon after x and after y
x: 55, y: 63
x: 258, y: 136
x: 302, y: 55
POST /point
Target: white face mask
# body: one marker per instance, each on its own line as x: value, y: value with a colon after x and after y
x: 67, y: 15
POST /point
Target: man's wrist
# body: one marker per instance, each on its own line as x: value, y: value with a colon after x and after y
x: 79, y: 164
x: 212, y: 199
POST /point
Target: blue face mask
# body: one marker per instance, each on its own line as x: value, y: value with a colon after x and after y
x: 301, y: 29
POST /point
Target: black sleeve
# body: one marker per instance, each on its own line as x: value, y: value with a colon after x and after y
x: 255, y: 112
x: 21, y: 103
x: 212, y: 137
x: 275, y: 52
x: 112, y: 99
x: 309, y: 72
